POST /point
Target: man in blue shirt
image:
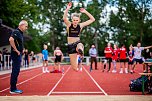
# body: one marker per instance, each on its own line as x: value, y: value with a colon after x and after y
x: 16, y: 42
x: 93, y: 55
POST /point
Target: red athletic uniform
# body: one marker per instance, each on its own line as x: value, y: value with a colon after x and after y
x: 122, y: 52
x: 108, y: 55
x: 115, y: 54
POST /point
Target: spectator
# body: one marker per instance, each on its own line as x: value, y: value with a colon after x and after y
x: 130, y: 58
x: 45, y: 59
x: 26, y: 58
x: 93, y: 55
x: 115, y: 58
x: 33, y: 59
x: 16, y: 42
x: 123, y: 58
x: 138, y: 57
x: 108, y: 55
x: 147, y: 54
x: 80, y: 62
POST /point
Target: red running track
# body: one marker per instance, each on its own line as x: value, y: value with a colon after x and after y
x: 34, y: 82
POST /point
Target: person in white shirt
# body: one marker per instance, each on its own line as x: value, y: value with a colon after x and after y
x: 138, y: 57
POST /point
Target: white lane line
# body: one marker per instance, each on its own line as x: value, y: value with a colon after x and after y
x: 5, y: 77
x: 95, y: 82
x: 58, y: 82
x: 22, y: 72
x: 23, y: 82
x: 77, y: 92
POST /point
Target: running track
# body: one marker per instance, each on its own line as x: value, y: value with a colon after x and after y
x: 34, y: 82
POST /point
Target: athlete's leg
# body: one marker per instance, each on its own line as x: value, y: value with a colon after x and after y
x: 43, y: 68
x: 46, y: 67
x: 74, y: 61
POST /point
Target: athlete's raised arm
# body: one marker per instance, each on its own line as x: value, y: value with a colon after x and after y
x: 88, y: 22
x: 65, y: 18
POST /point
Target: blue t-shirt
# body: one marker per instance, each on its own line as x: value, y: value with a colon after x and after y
x: 45, y: 54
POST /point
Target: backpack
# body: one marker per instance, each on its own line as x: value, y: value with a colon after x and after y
x: 136, y: 84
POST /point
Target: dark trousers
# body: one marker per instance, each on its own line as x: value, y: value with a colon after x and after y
x: 16, y: 64
x: 26, y: 62
x: 94, y: 59
x: 109, y: 62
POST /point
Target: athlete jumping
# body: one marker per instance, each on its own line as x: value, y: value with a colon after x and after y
x: 74, y: 28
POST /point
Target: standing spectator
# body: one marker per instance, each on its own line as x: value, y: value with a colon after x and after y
x: 45, y: 59
x: 93, y: 55
x: 108, y: 55
x: 16, y: 42
x: 80, y: 62
x: 58, y: 58
x: 33, y: 59
x: 115, y: 58
x: 26, y: 58
x: 123, y: 58
x: 137, y: 56
x: 147, y: 54
x: 130, y: 58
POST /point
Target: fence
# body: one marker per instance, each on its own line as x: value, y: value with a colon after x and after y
x: 66, y: 60
x: 6, y: 63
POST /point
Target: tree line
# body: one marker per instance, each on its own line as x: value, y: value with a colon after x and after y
x: 130, y: 23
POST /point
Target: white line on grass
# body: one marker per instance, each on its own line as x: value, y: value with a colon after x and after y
x: 95, y: 82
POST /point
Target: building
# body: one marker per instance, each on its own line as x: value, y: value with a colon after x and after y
x: 5, y: 32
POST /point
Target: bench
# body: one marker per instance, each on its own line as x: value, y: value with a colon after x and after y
x: 142, y: 75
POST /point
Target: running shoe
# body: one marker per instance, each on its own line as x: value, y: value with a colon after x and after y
x: 114, y: 71
x: 121, y: 72
x: 16, y: 91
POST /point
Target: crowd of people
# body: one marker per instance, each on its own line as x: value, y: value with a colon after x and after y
x: 27, y: 58
x: 114, y: 54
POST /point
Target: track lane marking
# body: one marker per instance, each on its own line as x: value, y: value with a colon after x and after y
x: 95, y: 81
x: 77, y: 92
x: 58, y: 82
x: 22, y: 82
x: 22, y: 72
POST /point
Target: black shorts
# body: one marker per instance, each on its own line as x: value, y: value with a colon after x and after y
x: 45, y: 60
x: 109, y: 59
x: 140, y: 61
x: 72, y: 47
x: 58, y: 58
x: 130, y: 62
x: 123, y: 60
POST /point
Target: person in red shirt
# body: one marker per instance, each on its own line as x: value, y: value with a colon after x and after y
x: 115, y: 57
x: 108, y: 55
x: 122, y: 57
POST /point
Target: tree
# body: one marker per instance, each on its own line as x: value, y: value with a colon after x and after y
x: 131, y: 23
